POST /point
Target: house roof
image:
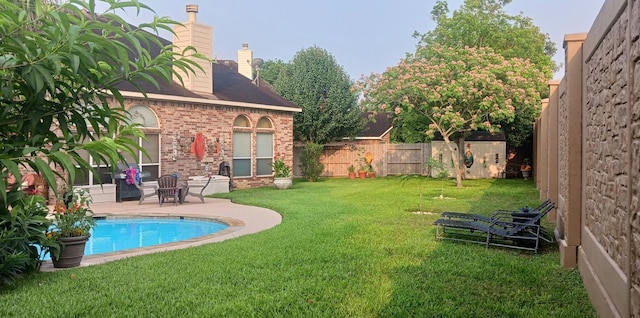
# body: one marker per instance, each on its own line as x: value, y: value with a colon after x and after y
x: 228, y: 85
x: 377, y: 125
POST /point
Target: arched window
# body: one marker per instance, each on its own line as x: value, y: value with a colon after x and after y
x: 144, y: 116
x: 241, y: 147
x: 264, y: 147
x: 241, y: 122
x: 147, y: 118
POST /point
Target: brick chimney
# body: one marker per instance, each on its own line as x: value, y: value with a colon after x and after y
x: 245, y: 58
x: 199, y: 36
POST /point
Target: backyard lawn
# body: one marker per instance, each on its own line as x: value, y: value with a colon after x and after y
x: 345, y: 248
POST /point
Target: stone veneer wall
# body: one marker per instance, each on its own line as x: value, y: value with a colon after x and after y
x: 598, y: 152
x: 606, y: 148
x: 183, y: 120
x: 611, y: 150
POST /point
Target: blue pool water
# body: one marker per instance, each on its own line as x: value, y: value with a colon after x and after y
x: 113, y: 235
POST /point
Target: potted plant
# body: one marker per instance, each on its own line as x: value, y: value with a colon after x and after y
x: 72, y: 224
x: 371, y: 173
x: 352, y: 172
x: 362, y: 172
x: 525, y: 168
x: 281, y: 174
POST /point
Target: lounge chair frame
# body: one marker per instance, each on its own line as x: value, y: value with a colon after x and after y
x: 512, y: 229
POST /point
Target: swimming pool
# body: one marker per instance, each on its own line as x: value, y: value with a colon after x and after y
x: 120, y: 234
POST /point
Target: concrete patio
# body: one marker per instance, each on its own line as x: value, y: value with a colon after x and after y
x: 242, y: 220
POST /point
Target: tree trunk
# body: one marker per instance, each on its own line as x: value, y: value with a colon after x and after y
x: 456, y: 160
x: 461, y: 164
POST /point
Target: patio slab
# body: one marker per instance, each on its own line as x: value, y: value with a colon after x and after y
x: 242, y: 220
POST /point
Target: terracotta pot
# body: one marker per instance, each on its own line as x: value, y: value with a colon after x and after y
x: 282, y: 183
x: 371, y: 174
x: 362, y: 174
x: 71, y: 251
x: 352, y: 175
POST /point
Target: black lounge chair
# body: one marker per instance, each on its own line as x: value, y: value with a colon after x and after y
x: 523, y: 212
x: 504, y: 228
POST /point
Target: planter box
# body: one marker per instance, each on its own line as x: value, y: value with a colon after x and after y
x: 218, y: 184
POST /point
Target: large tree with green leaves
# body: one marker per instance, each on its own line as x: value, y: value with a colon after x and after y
x: 485, y: 23
x: 270, y: 70
x: 60, y: 62
x: 456, y: 90
x: 320, y: 86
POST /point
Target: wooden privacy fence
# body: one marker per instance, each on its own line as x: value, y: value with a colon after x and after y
x: 388, y: 159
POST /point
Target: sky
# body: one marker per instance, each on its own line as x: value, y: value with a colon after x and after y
x: 363, y: 36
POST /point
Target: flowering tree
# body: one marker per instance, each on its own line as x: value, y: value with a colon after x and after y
x: 485, y: 23
x: 457, y: 90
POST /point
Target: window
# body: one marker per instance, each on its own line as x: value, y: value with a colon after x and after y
x: 241, y: 147
x: 152, y: 163
x: 144, y: 116
x: 264, y: 147
x: 264, y: 122
x: 85, y: 177
x: 241, y: 154
x: 264, y: 153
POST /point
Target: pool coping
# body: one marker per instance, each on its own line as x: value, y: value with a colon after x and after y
x: 242, y: 220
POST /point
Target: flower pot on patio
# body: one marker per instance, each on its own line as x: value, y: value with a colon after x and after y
x: 282, y: 183
x: 71, y: 252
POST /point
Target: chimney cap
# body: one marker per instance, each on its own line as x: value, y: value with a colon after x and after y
x: 192, y: 8
x: 245, y: 45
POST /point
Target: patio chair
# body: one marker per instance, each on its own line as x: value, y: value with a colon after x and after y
x: 168, y: 188
x: 502, y: 229
x: 183, y: 186
x: 199, y: 194
x: 143, y: 191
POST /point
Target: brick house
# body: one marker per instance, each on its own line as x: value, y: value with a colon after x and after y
x: 243, y: 123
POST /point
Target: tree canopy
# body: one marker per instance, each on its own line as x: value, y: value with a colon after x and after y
x: 270, y: 70
x: 484, y: 23
x: 60, y: 62
x: 456, y: 90
x: 320, y: 86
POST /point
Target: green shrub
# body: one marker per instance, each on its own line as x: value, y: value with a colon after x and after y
x: 21, y: 229
x: 310, y: 158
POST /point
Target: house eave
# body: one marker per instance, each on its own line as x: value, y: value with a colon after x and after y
x: 209, y: 101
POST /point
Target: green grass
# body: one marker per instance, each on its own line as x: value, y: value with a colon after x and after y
x: 345, y: 248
